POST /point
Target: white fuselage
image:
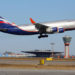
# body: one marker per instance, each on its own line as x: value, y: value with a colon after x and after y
x: 68, y: 24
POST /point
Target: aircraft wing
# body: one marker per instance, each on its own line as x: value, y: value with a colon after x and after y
x: 42, y: 28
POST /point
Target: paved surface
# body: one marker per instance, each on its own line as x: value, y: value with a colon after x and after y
x: 19, y: 61
x: 35, y: 72
x: 35, y: 62
x: 14, y: 71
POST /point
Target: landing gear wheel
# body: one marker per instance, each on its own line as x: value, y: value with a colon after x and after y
x: 42, y: 36
x: 39, y: 37
x: 46, y: 35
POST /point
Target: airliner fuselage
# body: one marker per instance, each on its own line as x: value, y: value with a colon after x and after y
x: 37, y: 28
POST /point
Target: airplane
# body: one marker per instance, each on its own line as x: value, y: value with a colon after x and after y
x: 43, y: 29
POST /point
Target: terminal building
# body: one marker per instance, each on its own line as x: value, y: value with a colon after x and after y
x: 44, y: 53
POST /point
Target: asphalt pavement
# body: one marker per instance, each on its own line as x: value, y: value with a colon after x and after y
x: 12, y: 71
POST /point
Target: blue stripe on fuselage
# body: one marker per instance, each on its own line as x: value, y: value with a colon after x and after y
x: 1, y: 20
x: 15, y: 30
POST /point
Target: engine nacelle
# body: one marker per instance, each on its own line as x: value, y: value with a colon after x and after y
x: 60, y: 30
x: 54, y: 30
x: 51, y: 30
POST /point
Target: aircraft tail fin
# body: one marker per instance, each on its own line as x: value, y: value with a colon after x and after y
x: 2, y: 20
x: 1, y: 17
x: 5, y: 24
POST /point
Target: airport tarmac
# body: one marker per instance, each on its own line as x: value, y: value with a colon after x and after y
x: 35, y: 62
x: 27, y: 63
x: 35, y: 72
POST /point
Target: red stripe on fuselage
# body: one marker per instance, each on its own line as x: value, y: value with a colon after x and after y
x: 65, y: 29
x: 69, y: 29
x: 17, y: 26
x: 2, y: 22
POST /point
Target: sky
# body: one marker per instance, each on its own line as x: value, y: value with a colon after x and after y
x: 19, y: 11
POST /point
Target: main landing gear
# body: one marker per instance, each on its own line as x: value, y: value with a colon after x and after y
x: 42, y: 36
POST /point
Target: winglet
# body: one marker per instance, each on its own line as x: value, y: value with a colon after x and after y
x: 32, y: 21
x: 13, y: 24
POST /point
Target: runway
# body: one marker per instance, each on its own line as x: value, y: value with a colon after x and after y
x: 35, y: 62
x: 31, y: 63
x: 27, y: 66
x: 35, y: 72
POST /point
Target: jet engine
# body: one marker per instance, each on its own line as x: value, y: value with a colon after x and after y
x: 51, y: 30
x: 60, y: 30
x: 54, y: 30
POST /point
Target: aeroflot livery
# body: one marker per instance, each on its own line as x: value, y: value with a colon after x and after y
x: 37, y: 28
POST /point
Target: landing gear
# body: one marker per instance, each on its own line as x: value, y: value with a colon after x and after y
x: 42, y: 36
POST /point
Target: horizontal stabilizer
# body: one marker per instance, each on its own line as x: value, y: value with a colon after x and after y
x: 1, y: 17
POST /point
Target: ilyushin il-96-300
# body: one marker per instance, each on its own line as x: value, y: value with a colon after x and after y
x: 43, y: 29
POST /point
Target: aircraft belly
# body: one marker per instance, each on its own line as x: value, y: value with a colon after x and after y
x: 18, y: 31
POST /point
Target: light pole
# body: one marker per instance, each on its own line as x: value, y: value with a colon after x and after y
x: 52, y: 48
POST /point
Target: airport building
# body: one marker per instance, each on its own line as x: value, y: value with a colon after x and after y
x: 11, y: 54
x: 44, y: 53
